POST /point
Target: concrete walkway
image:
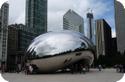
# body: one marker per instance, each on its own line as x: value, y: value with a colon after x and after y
x: 106, y: 75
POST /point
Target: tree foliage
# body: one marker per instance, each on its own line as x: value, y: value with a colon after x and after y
x: 111, y: 60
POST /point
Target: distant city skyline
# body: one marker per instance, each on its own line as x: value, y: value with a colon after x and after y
x: 57, y: 8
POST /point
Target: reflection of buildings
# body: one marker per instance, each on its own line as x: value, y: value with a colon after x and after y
x: 3, y: 31
x: 73, y: 21
x: 103, y: 37
x: 36, y: 16
x: 36, y: 21
x: 90, y: 29
x: 120, y: 25
x: 57, y: 50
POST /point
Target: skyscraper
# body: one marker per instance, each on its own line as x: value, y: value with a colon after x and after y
x: 103, y: 37
x: 12, y: 47
x: 3, y: 31
x: 73, y: 21
x: 120, y: 25
x: 0, y: 18
x: 36, y: 16
x: 18, y: 41
x: 90, y: 27
x: 114, y: 46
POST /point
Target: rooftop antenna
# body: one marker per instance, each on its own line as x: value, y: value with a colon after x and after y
x: 91, y: 10
x: 88, y: 9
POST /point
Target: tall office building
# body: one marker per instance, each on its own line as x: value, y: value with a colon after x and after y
x: 90, y: 27
x: 36, y: 16
x: 114, y: 46
x: 18, y: 41
x: 120, y: 25
x: 0, y: 18
x: 73, y: 21
x: 3, y: 31
x: 4, y: 15
x: 12, y: 47
x: 103, y: 37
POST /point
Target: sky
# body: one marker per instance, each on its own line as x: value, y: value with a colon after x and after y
x: 57, y: 8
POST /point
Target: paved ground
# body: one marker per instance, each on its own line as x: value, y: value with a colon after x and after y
x: 107, y: 75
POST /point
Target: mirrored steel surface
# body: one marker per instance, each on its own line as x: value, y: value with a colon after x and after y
x: 55, y: 50
x: 52, y: 43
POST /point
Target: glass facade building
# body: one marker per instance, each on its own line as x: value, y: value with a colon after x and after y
x: 36, y: 16
x: 103, y: 38
x: 3, y: 31
x: 73, y: 21
x: 120, y: 25
x: 18, y: 41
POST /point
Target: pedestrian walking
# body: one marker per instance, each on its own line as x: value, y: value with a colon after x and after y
x: 30, y: 69
x: 100, y: 67
x: 3, y: 67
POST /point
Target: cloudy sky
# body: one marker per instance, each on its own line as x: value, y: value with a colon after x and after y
x: 57, y: 8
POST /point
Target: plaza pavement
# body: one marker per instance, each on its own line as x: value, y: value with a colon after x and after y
x: 106, y: 75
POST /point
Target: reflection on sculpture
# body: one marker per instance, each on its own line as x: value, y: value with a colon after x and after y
x: 55, y: 50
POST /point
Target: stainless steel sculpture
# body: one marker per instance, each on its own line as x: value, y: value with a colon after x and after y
x: 55, y: 50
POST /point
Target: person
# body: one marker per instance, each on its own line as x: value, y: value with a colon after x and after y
x: 87, y: 67
x: 121, y: 68
x: 26, y: 69
x: 35, y: 68
x: 124, y: 68
x: 83, y: 69
x: 80, y: 68
x: 3, y: 67
x: 100, y: 67
x: 18, y: 68
x: 117, y: 68
x: 71, y: 68
x: 30, y: 69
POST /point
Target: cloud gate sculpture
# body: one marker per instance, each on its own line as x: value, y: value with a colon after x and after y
x: 55, y: 50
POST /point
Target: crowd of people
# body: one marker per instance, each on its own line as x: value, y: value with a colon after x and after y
x: 120, y: 68
x: 74, y: 68
x: 30, y: 69
x: 27, y: 69
x: 79, y: 68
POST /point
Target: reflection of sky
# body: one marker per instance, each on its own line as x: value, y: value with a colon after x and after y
x: 56, y: 42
